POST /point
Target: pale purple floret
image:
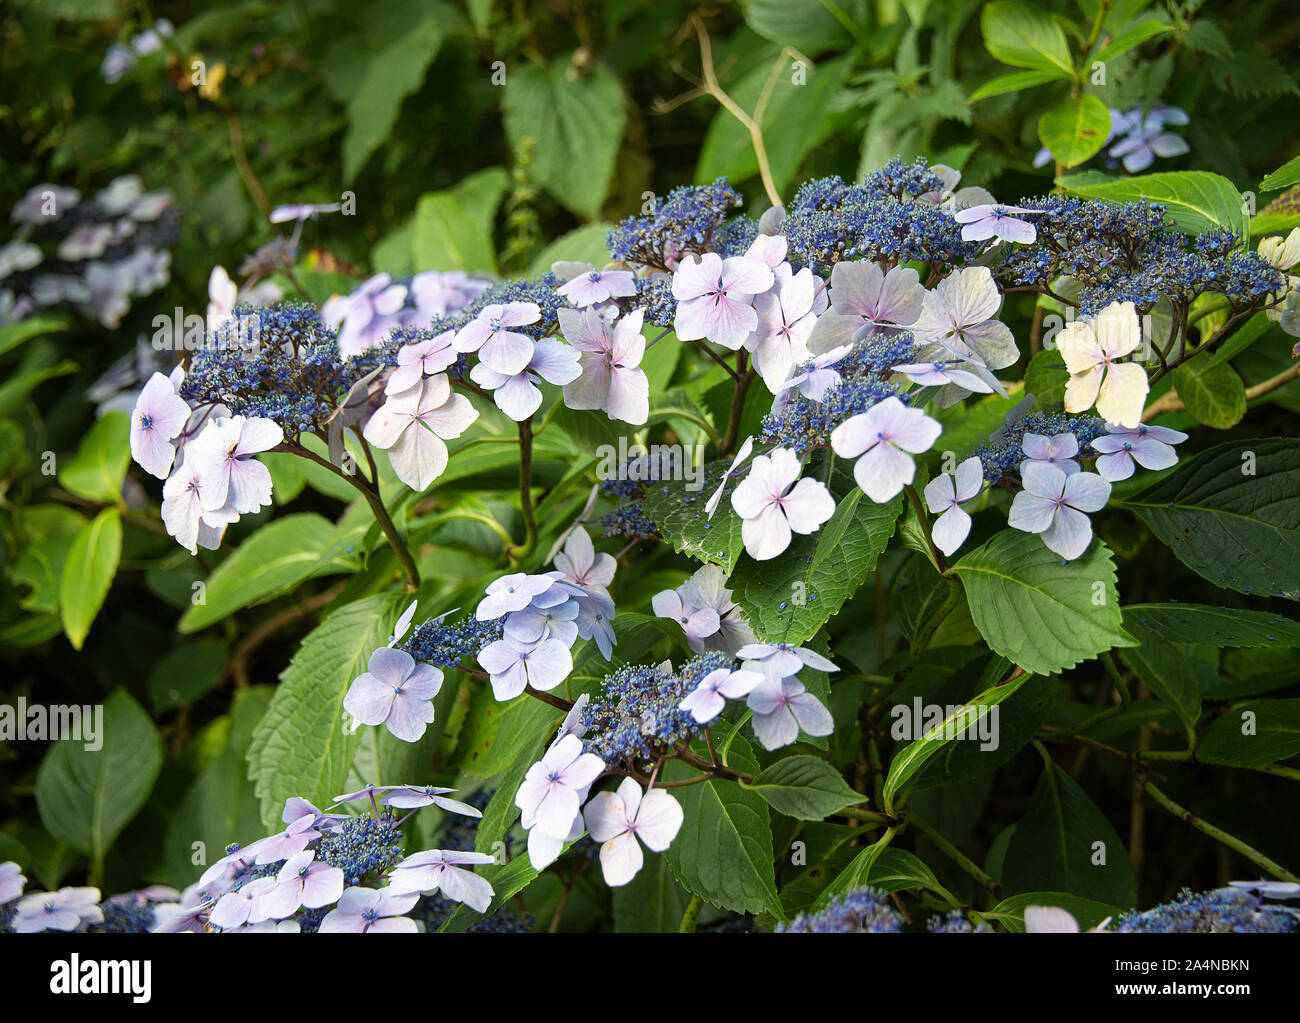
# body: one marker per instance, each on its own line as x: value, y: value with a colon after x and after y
x: 715, y: 298
x: 610, y: 355
x: 367, y: 911
x: 782, y: 707
x: 500, y: 348
x: 818, y: 376
x: 697, y: 622
x: 12, y: 881
x: 776, y: 503
x: 863, y: 296
x: 443, y: 870
x: 513, y: 593
x: 160, y: 414
x: 512, y: 665
x: 222, y: 455
x: 234, y: 909
x: 554, y: 788
x: 945, y: 495
x: 68, y: 909
x: 284, y: 844
x: 395, y: 692
x: 421, y: 359
x: 705, y: 701
x: 592, y: 286
x: 980, y: 223
x: 1060, y: 451
x: 1054, y: 504
x: 1149, y: 446
x: 413, y: 797
x: 302, y: 881
x: 883, y: 440
x: 518, y: 395
x: 624, y: 820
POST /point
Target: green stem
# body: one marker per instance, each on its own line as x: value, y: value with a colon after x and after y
x: 518, y: 552
x: 1276, y: 870
x: 692, y: 915
x: 935, y: 556
x: 737, y: 403
x: 955, y: 854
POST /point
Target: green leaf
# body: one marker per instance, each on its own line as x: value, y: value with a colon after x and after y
x: 1013, y: 82
x: 678, y: 512
x: 810, y: 26
x: 1197, y: 200
x: 1284, y: 177
x: 271, y: 561
x: 585, y: 244
x: 96, y: 471
x: 723, y: 852
x: 652, y: 903
x: 1175, y: 678
x: 1214, y: 394
x: 1024, y: 35
x: 1064, y: 843
x: 86, y: 797
x: 962, y: 722
x: 300, y: 747
x: 14, y: 334
x: 805, y: 788
x: 220, y: 806
x: 1046, y: 377
x: 1075, y: 130
x: 184, y: 674
x: 1230, y: 515
x: 392, y: 74
x: 575, y: 124
x: 790, y: 597
x: 48, y: 534
x: 883, y: 867
x: 1214, y: 626
x: 88, y: 573
x: 1038, y: 611
x: 448, y: 238
x: 1270, y: 733
x: 1010, y: 913
x: 1129, y: 38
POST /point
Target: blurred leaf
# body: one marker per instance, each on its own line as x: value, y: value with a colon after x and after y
x: 1284, y: 177
x: 1075, y: 130
x: 575, y: 122
x: 1014, y: 82
x: 49, y: 532
x: 88, y: 573
x: 185, y: 673
x: 86, y: 797
x: 14, y: 334
x: 96, y: 471
x: 1024, y: 35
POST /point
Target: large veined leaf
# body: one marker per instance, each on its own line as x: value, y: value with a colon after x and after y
x: 653, y: 903
x: 300, y: 747
x: 678, y: 512
x: 1197, y: 200
x: 270, y: 561
x: 87, y: 796
x: 1231, y: 515
x: 1174, y: 677
x: 95, y: 472
x: 453, y: 228
x: 1075, y: 130
x: 1212, y: 392
x: 790, y: 597
x: 1214, y: 626
x: 723, y: 852
x: 806, y: 788
x: 961, y: 724
x: 1038, y: 611
x: 887, y: 868
x: 1253, y: 734
x: 392, y: 74
x: 575, y: 122
x: 88, y: 573
x: 1064, y: 843
x: 1025, y: 35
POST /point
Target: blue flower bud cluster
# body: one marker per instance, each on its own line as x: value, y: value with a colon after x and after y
x: 861, y: 911
x: 691, y: 219
x: 639, y: 709
x: 1002, y: 453
x: 628, y: 520
x: 445, y: 644
x: 1225, y: 909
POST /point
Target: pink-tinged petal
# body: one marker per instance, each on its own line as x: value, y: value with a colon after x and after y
x: 519, y: 314
x: 369, y: 700
x: 450, y: 418
x: 555, y: 362
x: 409, y: 717
x: 766, y: 535
x: 518, y: 398
x: 585, y: 330
x: 1086, y: 491
x: 591, y: 389
x: 388, y: 925
x: 693, y: 319
x: 855, y: 435
x: 950, y: 530
x: 730, y: 322
x: 385, y: 427
x: 1031, y: 514
x: 337, y: 921
x: 471, y: 337
x: 322, y: 886
x: 250, y: 486
x: 1069, y: 534
x: 1014, y: 230
x: 629, y: 396
x: 808, y: 505
x: 259, y: 435
x: 697, y: 276
x: 832, y: 330
x: 628, y: 342
x: 940, y: 495
x: 404, y: 377
x: 548, y: 664
x: 621, y: 859
x: 912, y: 430
x: 606, y: 816
x: 703, y: 704
x: 980, y: 230
x: 419, y: 457
x: 1049, y: 920
x: 811, y: 714
x: 658, y: 820
x: 150, y: 449
x: 883, y: 472
x: 507, y: 352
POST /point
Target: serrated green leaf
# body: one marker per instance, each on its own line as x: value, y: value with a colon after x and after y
x: 1197, y: 200
x: 300, y: 747
x: 1214, y: 626
x: 806, y: 788
x: 1231, y: 516
x: 678, y: 513
x: 1037, y: 610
